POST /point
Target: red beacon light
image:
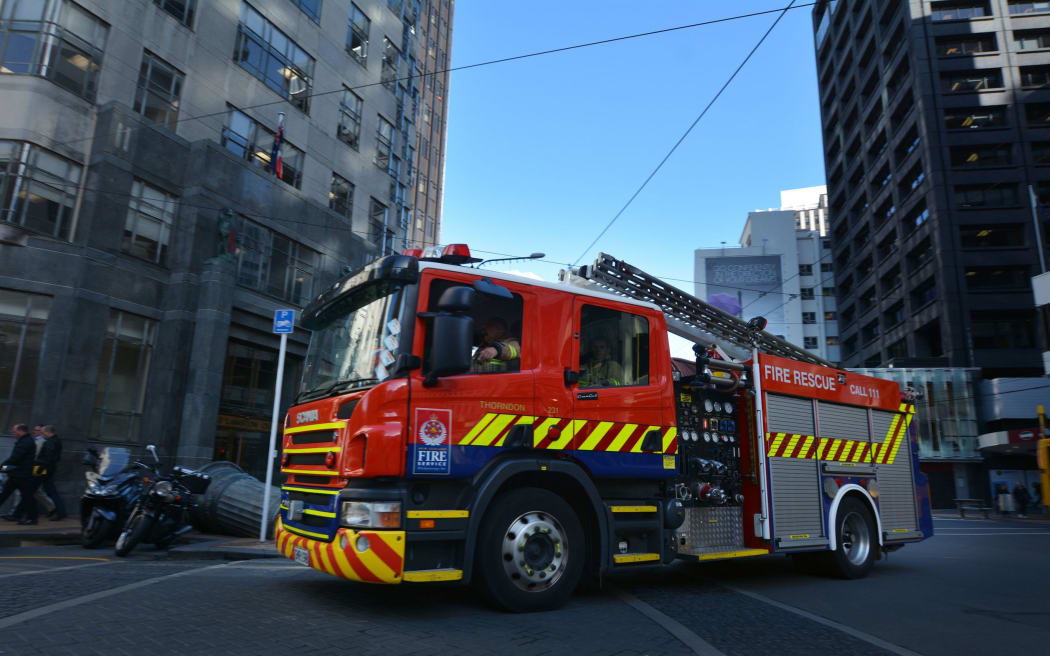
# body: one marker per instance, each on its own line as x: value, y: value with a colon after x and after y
x: 451, y: 254
x: 413, y: 252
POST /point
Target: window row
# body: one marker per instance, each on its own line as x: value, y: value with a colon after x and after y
x: 950, y: 10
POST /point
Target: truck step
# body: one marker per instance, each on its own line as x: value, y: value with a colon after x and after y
x: 629, y: 558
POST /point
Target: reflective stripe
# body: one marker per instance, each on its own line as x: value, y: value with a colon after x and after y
x: 306, y: 489
x: 314, y: 427
x: 309, y: 471
x: 431, y: 575
x: 309, y: 534
x: 319, y: 513
x: 436, y: 514
x: 318, y: 449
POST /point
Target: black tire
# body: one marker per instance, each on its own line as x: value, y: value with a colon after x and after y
x: 856, y: 541
x: 137, y: 528
x: 530, y: 552
x: 94, y: 530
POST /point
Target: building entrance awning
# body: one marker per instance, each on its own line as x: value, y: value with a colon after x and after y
x: 1019, y: 441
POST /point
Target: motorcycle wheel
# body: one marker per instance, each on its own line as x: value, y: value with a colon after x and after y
x: 137, y: 528
x: 95, y: 530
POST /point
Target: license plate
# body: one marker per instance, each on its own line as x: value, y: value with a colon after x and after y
x: 302, y: 556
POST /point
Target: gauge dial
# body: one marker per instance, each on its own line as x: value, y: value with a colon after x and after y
x: 708, y: 405
x: 728, y: 407
x: 707, y: 436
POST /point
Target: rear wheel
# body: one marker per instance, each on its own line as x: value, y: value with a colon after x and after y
x: 137, y: 528
x: 530, y: 552
x: 856, y: 541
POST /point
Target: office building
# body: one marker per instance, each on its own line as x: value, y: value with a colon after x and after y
x: 936, y: 123
x: 782, y: 271
x: 145, y: 241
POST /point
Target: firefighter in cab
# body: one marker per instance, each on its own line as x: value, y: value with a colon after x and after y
x: 602, y: 370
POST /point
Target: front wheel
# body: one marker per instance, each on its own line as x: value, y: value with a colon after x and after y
x: 855, y: 541
x: 530, y: 552
x: 95, y: 530
x: 137, y: 528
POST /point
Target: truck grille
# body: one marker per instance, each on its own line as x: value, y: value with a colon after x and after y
x: 315, y: 437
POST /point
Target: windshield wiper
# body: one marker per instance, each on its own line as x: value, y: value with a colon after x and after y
x: 337, y: 385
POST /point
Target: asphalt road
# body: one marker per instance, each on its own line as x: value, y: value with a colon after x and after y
x: 978, y: 587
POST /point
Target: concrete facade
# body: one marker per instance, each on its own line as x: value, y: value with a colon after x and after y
x: 175, y: 348
x: 934, y: 131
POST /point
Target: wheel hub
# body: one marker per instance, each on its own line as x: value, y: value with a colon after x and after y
x: 855, y: 538
x: 534, y: 551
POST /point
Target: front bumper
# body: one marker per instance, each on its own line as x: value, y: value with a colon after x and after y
x: 381, y: 561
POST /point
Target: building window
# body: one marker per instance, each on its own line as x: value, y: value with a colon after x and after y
x: 341, y: 196
x: 968, y: 118
x: 159, y: 88
x: 805, y: 269
x: 267, y: 53
x: 1003, y: 329
x: 946, y: 11
x: 182, y: 10
x: 828, y: 292
x: 311, y: 8
x: 271, y: 263
x: 996, y: 278
x: 67, y: 52
x: 384, y: 143
x: 1035, y: 76
x: 986, y: 195
x: 832, y: 341
x: 980, y: 155
x: 38, y: 189
x: 349, y: 130
x: 391, y: 58
x: 809, y: 342
x: 123, y: 372
x: 809, y: 317
x: 148, y: 226
x: 1031, y: 39
x: 1025, y: 7
x: 249, y: 140
x: 829, y: 316
x: 23, y: 318
x: 377, y: 217
x: 357, y: 34
x: 1010, y: 235
x: 970, y: 44
x: 825, y: 267
x: 807, y: 293
x: 1040, y: 152
x: 964, y: 81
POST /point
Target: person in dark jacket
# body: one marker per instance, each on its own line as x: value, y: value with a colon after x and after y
x: 19, y: 467
x: 47, y: 463
x: 1021, y: 498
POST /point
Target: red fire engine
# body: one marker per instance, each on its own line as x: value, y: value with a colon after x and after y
x: 457, y: 424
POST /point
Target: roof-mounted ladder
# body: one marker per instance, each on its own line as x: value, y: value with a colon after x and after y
x: 687, y: 316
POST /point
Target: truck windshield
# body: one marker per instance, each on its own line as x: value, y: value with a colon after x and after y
x: 356, y: 349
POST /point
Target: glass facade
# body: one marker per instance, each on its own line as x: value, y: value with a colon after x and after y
x: 23, y: 318
x: 267, y: 53
x: 274, y: 264
x: 159, y: 88
x: 123, y: 371
x: 150, y: 220
x: 945, y: 409
x: 38, y: 189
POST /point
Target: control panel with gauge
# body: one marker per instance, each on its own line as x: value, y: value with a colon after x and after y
x: 708, y: 448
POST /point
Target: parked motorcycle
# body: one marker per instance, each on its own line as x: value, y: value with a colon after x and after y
x: 113, y: 487
x: 160, y: 514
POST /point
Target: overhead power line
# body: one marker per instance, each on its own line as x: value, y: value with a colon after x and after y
x: 783, y: 11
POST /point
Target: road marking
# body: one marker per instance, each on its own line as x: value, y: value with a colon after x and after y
x: 678, y: 630
x: 55, y: 569
x: 105, y: 560
x: 860, y: 635
x: 1000, y: 533
x: 77, y: 601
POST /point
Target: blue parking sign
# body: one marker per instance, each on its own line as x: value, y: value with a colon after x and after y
x: 283, y: 321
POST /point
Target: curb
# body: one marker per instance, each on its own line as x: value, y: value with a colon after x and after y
x: 214, y: 550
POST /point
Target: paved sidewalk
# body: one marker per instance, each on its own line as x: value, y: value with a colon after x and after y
x: 993, y: 516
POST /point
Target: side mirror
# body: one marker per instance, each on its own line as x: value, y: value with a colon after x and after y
x: 453, y: 335
x: 153, y: 450
x: 456, y: 299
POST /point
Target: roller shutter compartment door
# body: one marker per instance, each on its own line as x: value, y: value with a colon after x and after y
x: 842, y: 421
x: 795, y: 483
x: 894, y: 474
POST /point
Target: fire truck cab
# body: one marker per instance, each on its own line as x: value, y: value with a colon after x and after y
x: 457, y: 424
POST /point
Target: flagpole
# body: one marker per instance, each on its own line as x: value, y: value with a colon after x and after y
x: 1038, y: 230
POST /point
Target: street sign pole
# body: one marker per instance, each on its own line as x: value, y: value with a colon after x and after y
x: 283, y: 321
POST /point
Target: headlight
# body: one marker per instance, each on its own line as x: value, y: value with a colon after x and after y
x: 164, y: 491
x: 372, y: 514
x: 109, y: 490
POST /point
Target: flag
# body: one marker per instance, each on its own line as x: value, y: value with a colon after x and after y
x: 276, y: 162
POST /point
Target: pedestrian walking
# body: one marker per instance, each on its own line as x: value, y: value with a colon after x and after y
x: 19, y: 467
x: 1021, y: 498
x: 43, y: 500
x: 1002, y: 499
x: 47, y: 460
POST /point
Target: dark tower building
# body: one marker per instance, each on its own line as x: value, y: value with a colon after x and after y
x: 936, y: 123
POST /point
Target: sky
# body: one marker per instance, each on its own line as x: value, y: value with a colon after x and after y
x: 542, y: 152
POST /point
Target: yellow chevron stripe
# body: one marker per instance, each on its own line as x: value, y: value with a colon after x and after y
x: 822, y: 446
x: 521, y: 420
x: 880, y: 457
x: 847, y: 448
x: 596, y: 435
x: 625, y: 432
x: 775, y: 445
x: 541, y: 432
x: 900, y: 438
x: 315, y: 427
x: 806, y: 446
x: 478, y: 427
x: 835, y: 446
x: 492, y: 431
x: 859, y: 451
x: 376, y: 565
x: 567, y: 434
x: 790, y: 448
x: 322, y: 557
x: 669, y: 439
x: 342, y: 563
x: 637, y: 448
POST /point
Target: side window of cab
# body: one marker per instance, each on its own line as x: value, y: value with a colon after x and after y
x: 497, y: 346
x: 614, y: 348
